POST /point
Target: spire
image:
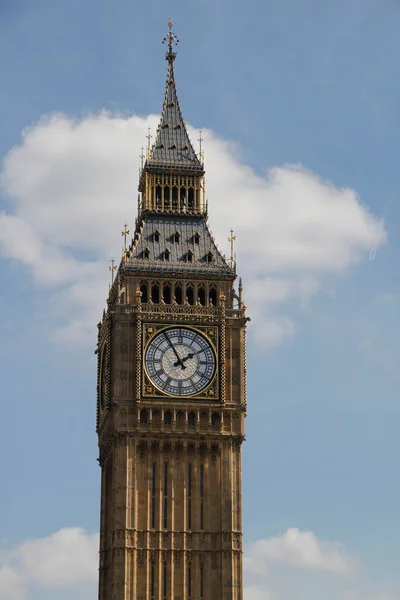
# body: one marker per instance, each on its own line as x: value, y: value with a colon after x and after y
x: 172, y: 147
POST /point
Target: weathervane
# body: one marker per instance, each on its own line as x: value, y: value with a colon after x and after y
x: 171, y: 39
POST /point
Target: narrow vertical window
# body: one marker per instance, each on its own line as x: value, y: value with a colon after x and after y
x: 165, y: 582
x: 201, y: 581
x: 201, y: 496
x: 165, y: 495
x: 189, y: 515
x: 152, y: 580
x: 153, y: 497
x: 189, y: 582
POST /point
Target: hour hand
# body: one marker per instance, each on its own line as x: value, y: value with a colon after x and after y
x: 191, y: 355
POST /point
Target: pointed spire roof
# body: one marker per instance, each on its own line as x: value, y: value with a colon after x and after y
x: 172, y: 147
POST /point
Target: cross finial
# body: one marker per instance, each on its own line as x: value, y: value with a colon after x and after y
x: 148, y: 137
x: 142, y: 157
x: 200, y: 140
x: 171, y: 39
x: 232, y: 239
x: 125, y: 233
x: 112, y: 268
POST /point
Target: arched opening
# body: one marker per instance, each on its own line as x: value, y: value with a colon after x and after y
x: 168, y: 417
x: 167, y: 198
x: 215, y: 421
x: 192, y: 420
x: 190, y: 294
x: 183, y: 197
x: 178, y: 293
x: 201, y: 295
x: 144, y: 415
x: 146, y: 254
x: 189, y: 256
x: 144, y: 290
x: 155, y: 293
x: 156, y: 419
x: 209, y: 257
x: 213, y: 296
x: 166, y: 255
x: 204, y: 421
x: 122, y: 298
x: 167, y: 293
x: 180, y: 420
x: 191, y: 199
x: 174, y: 198
x: 158, y: 196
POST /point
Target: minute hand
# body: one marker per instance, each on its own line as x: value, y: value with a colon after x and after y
x: 179, y: 360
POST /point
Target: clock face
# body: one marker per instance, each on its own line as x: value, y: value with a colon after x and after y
x: 180, y: 361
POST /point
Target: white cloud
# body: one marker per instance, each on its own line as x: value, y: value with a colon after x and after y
x: 300, y: 549
x: 65, y: 559
x: 71, y: 185
x: 295, y: 564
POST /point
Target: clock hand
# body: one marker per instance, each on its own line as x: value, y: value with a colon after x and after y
x: 183, y: 360
x: 179, y: 360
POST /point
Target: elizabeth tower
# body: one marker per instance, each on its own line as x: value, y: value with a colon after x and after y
x: 171, y: 390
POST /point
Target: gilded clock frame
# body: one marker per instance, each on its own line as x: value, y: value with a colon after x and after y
x: 211, y: 391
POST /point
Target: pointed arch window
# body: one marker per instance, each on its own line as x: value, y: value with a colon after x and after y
x: 167, y: 293
x: 144, y: 290
x: 196, y: 239
x: 176, y: 237
x: 189, y: 256
x: 192, y: 420
x: 144, y: 415
x: 166, y: 125
x: 209, y: 257
x: 155, y: 293
x: 166, y: 255
x: 146, y: 254
x: 167, y: 417
x: 178, y: 126
x: 178, y: 293
x: 156, y: 236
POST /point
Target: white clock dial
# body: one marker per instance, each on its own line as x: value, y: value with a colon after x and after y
x: 180, y: 361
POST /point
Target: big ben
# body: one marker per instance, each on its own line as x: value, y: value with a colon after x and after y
x: 172, y: 390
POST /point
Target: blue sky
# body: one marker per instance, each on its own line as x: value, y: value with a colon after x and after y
x: 298, y: 102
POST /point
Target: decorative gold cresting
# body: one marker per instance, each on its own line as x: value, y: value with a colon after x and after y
x: 171, y: 39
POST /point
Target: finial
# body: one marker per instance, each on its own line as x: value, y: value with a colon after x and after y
x: 112, y: 268
x: 171, y: 39
x: 200, y: 140
x: 142, y: 157
x: 240, y: 292
x: 148, y: 137
x: 232, y: 239
x: 125, y: 234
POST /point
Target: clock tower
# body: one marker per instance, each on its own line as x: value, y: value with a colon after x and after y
x: 172, y: 390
